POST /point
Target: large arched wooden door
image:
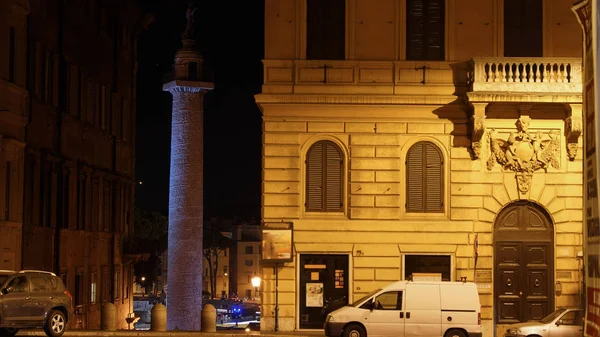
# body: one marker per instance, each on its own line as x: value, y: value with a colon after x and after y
x: 523, y: 263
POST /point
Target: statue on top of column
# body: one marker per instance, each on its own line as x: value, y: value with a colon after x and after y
x: 190, y: 29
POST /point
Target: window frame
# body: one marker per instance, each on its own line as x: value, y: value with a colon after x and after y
x: 451, y: 267
x: 93, y: 288
x: 424, y: 211
x: 342, y: 180
x: 426, y: 37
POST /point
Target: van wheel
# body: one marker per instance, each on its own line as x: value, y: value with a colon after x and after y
x: 455, y: 333
x: 354, y: 330
x: 8, y: 332
x: 55, y: 324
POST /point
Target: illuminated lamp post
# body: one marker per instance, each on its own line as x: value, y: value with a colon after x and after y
x: 256, y: 283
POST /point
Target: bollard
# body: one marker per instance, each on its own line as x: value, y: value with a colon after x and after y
x: 208, y: 318
x: 158, y: 318
x: 108, y: 317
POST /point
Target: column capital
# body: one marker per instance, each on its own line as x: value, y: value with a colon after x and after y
x: 188, y: 86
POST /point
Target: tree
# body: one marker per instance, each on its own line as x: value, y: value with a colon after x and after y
x: 215, y: 243
x: 150, y: 237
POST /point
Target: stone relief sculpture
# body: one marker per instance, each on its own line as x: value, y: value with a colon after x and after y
x: 524, y: 152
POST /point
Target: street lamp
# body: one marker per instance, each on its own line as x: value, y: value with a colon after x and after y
x: 225, y: 285
x: 256, y: 283
x: 143, y: 286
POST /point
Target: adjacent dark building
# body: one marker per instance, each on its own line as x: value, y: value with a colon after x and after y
x: 67, y: 128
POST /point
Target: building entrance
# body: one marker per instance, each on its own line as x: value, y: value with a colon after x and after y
x: 523, y: 260
x: 323, y: 287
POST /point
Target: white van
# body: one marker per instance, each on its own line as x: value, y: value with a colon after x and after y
x: 411, y: 309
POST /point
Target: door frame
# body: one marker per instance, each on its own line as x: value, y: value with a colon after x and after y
x: 541, y: 210
x: 298, y: 272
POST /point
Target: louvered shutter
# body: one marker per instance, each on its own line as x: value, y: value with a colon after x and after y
x: 325, y: 29
x: 314, y: 177
x: 425, y: 31
x: 434, y: 27
x: 523, y: 28
x: 333, y: 192
x: 415, y: 30
x: 433, y: 179
x: 415, y: 179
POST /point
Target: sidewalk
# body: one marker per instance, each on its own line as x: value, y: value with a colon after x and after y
x: 219, y: 333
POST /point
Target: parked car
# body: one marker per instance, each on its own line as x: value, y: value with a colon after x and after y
x: 427, y: 308
x: 31, y: 299
x: 564, y: 322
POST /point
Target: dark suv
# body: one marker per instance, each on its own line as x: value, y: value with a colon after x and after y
x: 33, y: 299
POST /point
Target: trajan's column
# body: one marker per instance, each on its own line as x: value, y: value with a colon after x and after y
x: 184, y: 273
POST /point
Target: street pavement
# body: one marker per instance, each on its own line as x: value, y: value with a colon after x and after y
x: 133, y: 333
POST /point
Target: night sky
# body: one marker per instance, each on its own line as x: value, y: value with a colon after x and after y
x: 231, y: 40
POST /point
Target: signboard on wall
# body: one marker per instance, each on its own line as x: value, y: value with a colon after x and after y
x: 586, y: 12
x: 277, y: 242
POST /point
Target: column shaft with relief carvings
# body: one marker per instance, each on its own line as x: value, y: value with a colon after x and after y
x: 184, y: 274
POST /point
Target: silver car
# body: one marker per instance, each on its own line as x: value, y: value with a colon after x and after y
x: 564, y: 322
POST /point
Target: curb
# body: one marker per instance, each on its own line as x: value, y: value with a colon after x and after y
x: 132, y: 333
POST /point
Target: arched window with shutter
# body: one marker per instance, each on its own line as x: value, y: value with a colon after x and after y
x: 324, y: 177
x: 424, y: 179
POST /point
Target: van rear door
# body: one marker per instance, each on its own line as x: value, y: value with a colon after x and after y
x: 460, y: 306
x: 423, y: 312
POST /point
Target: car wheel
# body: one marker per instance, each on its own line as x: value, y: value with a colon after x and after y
x: 55, y: 324
x: 455, y: 333
x: 8, y: 332
x: 354, y: 330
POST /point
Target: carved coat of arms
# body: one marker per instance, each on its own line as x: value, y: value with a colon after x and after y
x: 524, y: 152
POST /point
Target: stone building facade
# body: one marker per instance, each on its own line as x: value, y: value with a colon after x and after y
x: 67, y: 128
x: 422, y: 136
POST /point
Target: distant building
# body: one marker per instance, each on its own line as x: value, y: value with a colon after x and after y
x: 422, y: 136
x: 236, y: 265
x: 67, y: 129
x: 248, y: 266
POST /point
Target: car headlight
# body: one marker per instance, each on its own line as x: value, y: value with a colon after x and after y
x: 513, y: 331
x: 329, y: 319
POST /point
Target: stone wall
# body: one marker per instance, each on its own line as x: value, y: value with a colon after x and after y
x: 374, y: 229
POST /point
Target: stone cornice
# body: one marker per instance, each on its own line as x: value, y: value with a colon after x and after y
x: 188, y: 86
x: 358, y: 99
x: 551, y: 97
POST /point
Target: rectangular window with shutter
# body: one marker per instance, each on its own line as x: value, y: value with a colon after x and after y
x: 324, y: 177
x: 11, y: 54
x: 425, y: 30
x: 39, y: 70
x: 523, y: 28
x: 29, y: 190
x: 66, y: 197
x: 325, y: 29
x: 49, y: 78
x: 82, y: 198
x: 78, y: 294
x: 102, y: 108
x: 7, y: 185
x: 74, y: 90
x: 47, y: 195
x: 117, y: 285
x: 424, y: 179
